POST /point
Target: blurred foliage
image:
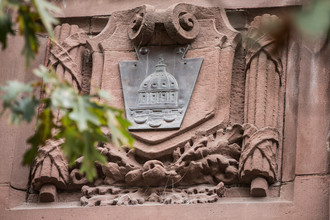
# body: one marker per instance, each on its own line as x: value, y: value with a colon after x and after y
x: 77, y: 119
x: 314, y: 19
x: 32, y: 17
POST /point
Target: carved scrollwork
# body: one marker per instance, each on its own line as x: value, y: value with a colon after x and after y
x: 181, y: 24
x: 179, y: 21
x: 142, y: 25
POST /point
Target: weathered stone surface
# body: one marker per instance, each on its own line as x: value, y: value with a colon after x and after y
x: 313, y: 108
x: 103, y: 7
x: 98, y: 23
x: 209, y: 151
x: 13, y: 138
x: 259, y: 187
x: 304, y: 196
x: 264, y: 73
x: 110, y: 195
x: 207, y: 159
x: 50, y: 167
x: 48, y: 193
x: 66, y: 54
x: 302, y: 204
x: 291, y: 113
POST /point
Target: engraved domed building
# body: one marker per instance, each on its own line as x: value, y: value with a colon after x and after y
x: 157, y: 101
x: 159, y: 89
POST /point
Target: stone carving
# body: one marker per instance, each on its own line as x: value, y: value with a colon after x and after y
x: 155, y: 98
x: 205, y: 152
x: 50, y: 171
x: 66, y: 54
x: 208, y: 102
x: 111, y: 195
x: 206, y: 159
x: 258, y: 161
x: 179, y: 22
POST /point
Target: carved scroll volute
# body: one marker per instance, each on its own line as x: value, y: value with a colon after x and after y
x: 142, y: 25
x: 263, y: 81
x: 181, y: 23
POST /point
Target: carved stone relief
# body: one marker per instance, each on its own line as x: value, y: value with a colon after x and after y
x: 191, y: 50
x: 157, y: 89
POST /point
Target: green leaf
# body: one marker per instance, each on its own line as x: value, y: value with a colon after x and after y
x: 73, y: 143
x: 48, y: 76
x: 19, y: 98
x: 43, y: 132
x: 28, y: 26
x: 82, y: 143
x: 118, y: 127
x: 82, y: 115
x: 91, y: 155
x: 15, y: 89
x: 25, y: 108
x: 315, y: 21
x: 63, y: 97
x: 5, y: 28
x: 104, y: 95
x: 43, y: 7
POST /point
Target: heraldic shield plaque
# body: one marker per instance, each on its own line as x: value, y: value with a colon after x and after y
x: 157, y: 88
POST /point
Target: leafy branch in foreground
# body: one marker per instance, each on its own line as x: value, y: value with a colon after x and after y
x: 33, y: 16
x: 76, y: 119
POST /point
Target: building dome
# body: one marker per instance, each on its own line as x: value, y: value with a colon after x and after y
x: 158, y: 90
x: 160, y: 80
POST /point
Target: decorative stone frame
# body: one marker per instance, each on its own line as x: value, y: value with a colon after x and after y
x: 296, y: 175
